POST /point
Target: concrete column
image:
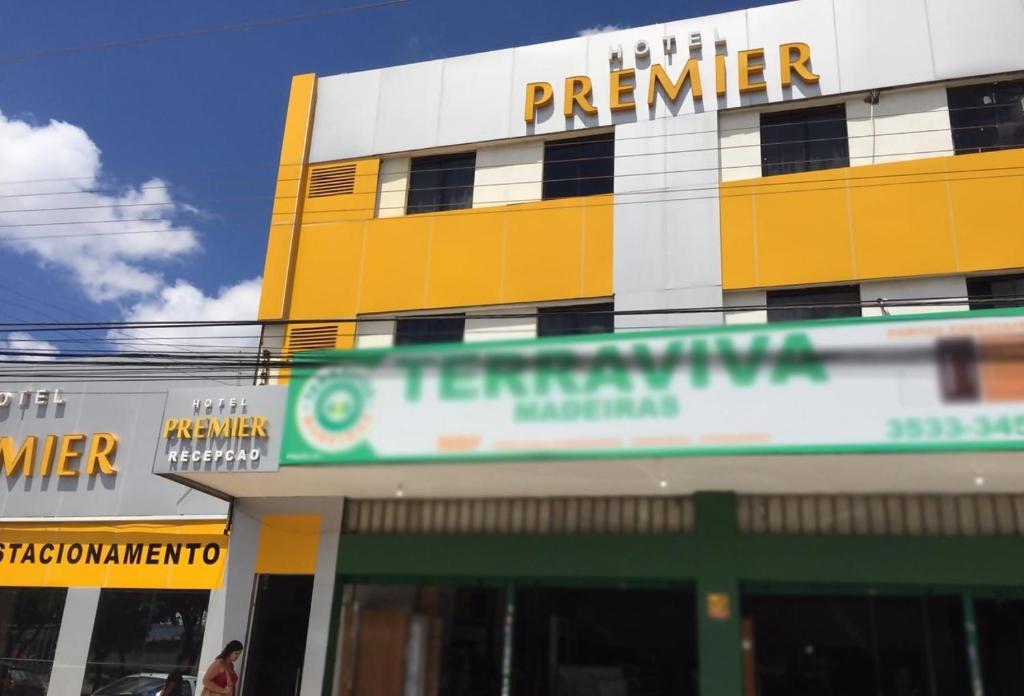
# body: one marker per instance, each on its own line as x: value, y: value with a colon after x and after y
x: 322, y: 609
x: 720, y: 660
x: 73, y: 641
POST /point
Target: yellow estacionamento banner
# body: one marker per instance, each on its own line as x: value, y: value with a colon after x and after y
x: 185, y: 555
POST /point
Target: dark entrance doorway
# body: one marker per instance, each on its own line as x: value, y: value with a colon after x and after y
x: 576, y: 642
x: 277, y: 638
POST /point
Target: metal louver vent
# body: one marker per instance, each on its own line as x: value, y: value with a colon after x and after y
x: 520, y: 516
x: 316, y: 337
x: 882, y: 515
x: 332, y: 181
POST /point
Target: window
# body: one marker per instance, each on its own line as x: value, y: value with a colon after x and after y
x: 987, y: 117
x: 804, y: 140
x: 983, y: 293
x: 847, y: 296
x: 29, y: 623
x: 575, y: 320
x: 139, y: 633
x: 441, y: 182
x: 414, y: 330
x: 847, y: 646
x: 579, y: 166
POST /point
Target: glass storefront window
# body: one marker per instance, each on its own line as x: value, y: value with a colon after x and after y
x: 29, y: 623
x: 403, y: 640
x: 1000, y: 626
x: 849, y: 646
x: 143, y: 632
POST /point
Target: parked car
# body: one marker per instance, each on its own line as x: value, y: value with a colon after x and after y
x: 15, y: 681
x: 141, y: 684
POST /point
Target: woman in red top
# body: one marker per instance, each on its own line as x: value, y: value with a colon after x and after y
x: 220, y: 677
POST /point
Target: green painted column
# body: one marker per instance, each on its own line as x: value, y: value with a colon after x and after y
x: 718, y: 600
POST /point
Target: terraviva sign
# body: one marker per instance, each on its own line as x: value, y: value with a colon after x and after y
x: 890, y: 384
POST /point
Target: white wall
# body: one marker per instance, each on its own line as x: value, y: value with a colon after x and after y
x: 667, y: 242
x: 375, y: 334
x: 904, y: 125
x: 500, y: 329
x: 913, y: 289
x: 741, y: 144
x: 392, y: 186
x: 746, y: 298
x: 855, y: 45
x: 507, y: 174
x: 73, y: 641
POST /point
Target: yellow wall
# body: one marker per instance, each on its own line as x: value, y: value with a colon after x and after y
x: 530, y: 252
x: 288, y: 544
x: 933, y: 216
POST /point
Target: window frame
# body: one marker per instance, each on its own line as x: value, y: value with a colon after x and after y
x: 440, y: 174
x: 972, y: 124
x: 807, y: 121
x: 573, y: 317
x: 431, y: 336
x: 563, y: 174
x: 793, y: 296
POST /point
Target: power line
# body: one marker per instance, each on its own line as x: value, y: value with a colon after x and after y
x: 241, y: 26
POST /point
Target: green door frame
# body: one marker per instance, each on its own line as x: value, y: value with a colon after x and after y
x: 716, y: 559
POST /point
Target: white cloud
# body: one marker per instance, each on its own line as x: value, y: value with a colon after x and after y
x: 61, y: 160
x: 24, y: 342
x: 185, y: 302
x: 599, y: 29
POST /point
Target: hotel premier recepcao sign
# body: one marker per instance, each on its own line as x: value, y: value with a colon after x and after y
x: 748, y: 68
x: 890, y: 384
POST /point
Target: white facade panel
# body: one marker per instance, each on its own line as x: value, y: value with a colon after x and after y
x: 740, y: 137
x: 941, y: 287
x: 976, y: 38
x: 493, y: 328
x: 346, y: 116
x: 882, y: 43
x: 375, y: 334
x: 476, y: 104
x: 746, y: 298
x: 855, y: 45
x: 509, y: 174
x: 392, y: 186
x: 903, y: 125
x: 409, y: 108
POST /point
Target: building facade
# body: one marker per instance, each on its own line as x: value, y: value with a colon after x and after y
x: 106, y: 571
x: 676, y: 187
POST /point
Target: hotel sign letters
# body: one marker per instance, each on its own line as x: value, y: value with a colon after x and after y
x: 670, y: 83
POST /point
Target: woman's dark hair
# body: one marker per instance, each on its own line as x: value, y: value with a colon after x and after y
x: 233, y: 646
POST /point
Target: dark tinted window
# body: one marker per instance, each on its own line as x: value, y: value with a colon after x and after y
x: 429, y: 330
x: 441, y: 182
x: 139, y: 632
x: 846, y: 295
x: 804, y: 140
x: 579, y: 166
x: 850, y: 646
x: 987, y: 117
x: 29, y: 623
x: 984, y: 293
x: 578, y: 319
x: 1000, y: 625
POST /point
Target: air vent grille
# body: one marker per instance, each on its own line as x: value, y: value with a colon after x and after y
x: 332, y: 181
x: 520, y: 516
x: 315, y: 337
x: 882, y: 515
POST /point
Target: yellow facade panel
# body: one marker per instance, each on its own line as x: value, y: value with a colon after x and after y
x: 275, y: 273
x: 326, y: 271
x: 288, y: 544
x: 905, y: 234
x: 598, y: 247
x: 739, y: 237
x: 465, y: 259
x: 985, y: 192
x: 544, y: 251
x: 802, y: 232
x: 943, y: 215
x: 393, y: 275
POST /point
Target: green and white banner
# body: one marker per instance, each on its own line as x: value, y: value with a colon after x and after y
x: 936, y: 382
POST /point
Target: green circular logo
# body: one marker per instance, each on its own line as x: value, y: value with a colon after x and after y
x: 334, y: 408
x: 339, y: 406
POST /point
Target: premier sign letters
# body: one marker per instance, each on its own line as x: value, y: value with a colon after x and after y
x: 60, y: 454
x: 217, y: 432
x: 794, y: 62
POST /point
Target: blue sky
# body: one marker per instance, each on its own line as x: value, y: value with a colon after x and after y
x: 202, y: 117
